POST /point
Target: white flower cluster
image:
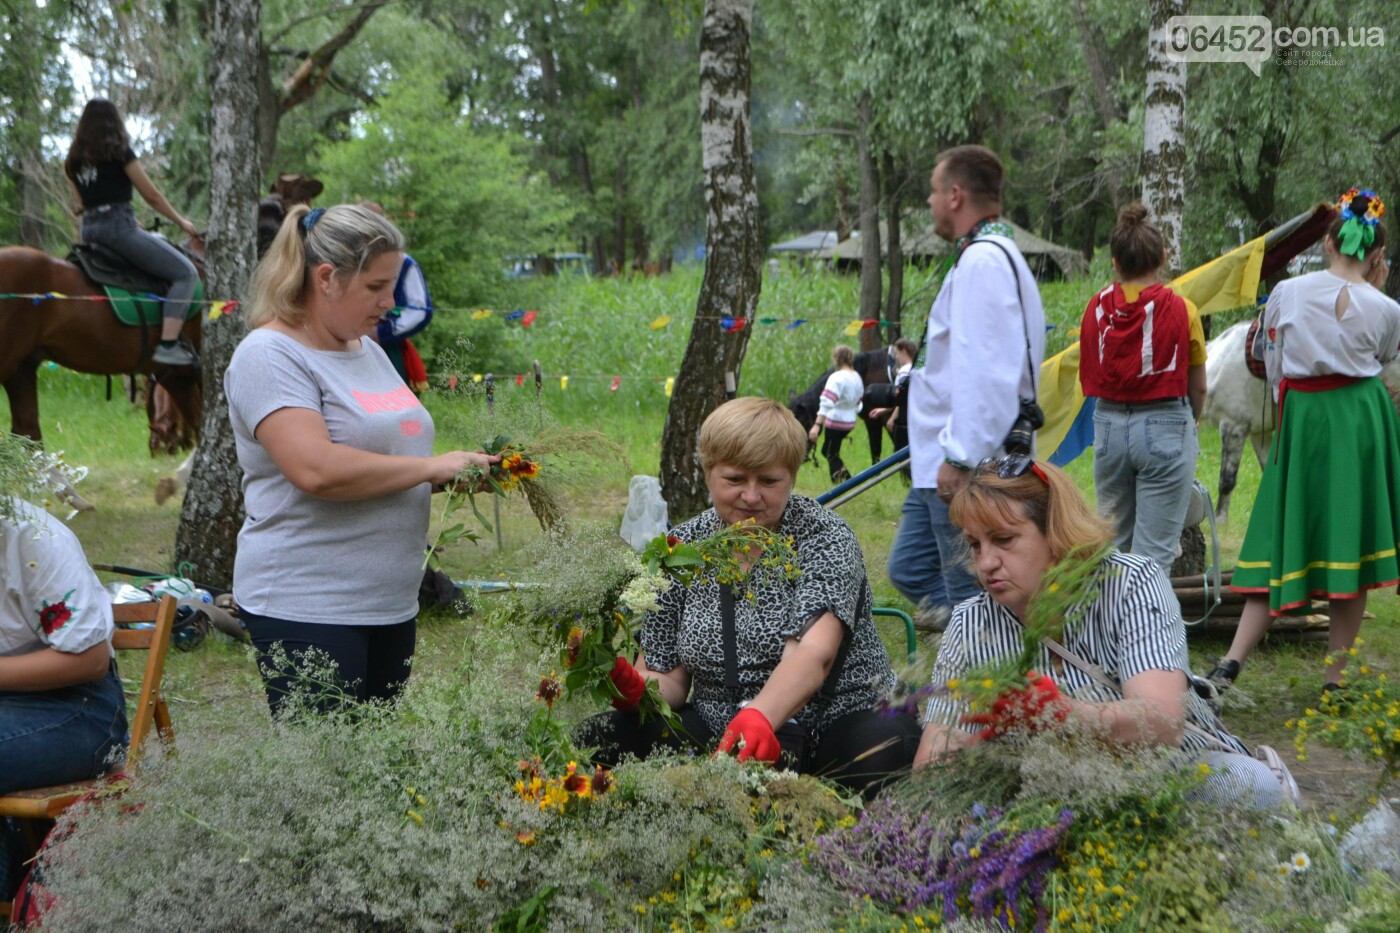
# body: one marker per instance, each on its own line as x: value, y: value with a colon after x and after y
x: 640, y: 595
x: 27, y: 471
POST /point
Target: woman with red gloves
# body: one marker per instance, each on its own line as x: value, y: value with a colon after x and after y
x: 791, y: 671
x: 1120, y: 671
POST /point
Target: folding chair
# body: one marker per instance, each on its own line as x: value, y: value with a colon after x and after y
x: 46, y: 803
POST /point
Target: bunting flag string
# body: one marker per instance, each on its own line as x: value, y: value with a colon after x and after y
x: 613, y: 380
x: 525, y: 318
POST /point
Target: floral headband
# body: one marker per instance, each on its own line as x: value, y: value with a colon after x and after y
x: 1361, y: 209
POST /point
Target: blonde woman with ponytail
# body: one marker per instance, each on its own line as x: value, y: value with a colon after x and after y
x: 337, y: 460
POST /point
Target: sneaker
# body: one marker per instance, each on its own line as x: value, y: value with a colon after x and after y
x: 841, y: 475
x: 175, y: 353
x: 1223, y: 675
x: 932, y: 619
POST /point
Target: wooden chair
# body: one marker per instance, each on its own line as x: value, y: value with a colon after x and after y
x: 46, y: 803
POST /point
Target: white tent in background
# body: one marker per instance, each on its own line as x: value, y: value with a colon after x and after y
x: 818, y: 241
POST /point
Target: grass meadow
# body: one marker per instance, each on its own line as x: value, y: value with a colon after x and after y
x: 600, y: 414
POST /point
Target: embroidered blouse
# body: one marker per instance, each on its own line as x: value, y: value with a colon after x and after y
x: 52, y: 599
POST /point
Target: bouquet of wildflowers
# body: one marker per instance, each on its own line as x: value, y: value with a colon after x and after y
x: 515, y: 470
x: 1065, y: 594
x: 590, y: 643
x: 27, y: 471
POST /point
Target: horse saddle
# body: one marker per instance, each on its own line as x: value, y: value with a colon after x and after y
x: 125, y: 285
x: 1251, y: 359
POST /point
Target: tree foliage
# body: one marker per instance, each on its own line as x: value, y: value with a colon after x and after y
x: 462, y: 193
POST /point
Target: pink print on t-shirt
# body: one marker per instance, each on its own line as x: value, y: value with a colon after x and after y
x: 410, y: 428
x: 398, y: 400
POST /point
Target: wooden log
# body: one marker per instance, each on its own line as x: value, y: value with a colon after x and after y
x: 1196, y: 594
x: 1196, y: 579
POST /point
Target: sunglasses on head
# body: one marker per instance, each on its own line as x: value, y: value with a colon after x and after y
x: 1010, y: 467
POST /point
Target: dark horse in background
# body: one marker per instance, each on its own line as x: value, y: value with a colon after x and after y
x: 875, y: 366
x: 82, y: 335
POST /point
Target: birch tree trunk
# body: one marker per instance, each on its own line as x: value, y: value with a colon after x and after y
x: 733, y: 257
x: 1164, y: 134
x: 213, y: 509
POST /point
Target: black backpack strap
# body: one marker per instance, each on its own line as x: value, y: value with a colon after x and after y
x: 730, y: 638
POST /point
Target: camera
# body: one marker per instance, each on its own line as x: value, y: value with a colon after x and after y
x: 1029, y: 419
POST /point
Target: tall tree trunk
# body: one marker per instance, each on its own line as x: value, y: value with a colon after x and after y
x: 870, y: 272
x: 895, y: 298
x: 213, y: 509
x: 1164, y: 134
x: 26, y: 132
x: 733, y: 253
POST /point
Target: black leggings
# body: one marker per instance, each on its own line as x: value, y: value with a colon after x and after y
x: 831, y: 450
x: 372, y: 661
x: 862, y: 751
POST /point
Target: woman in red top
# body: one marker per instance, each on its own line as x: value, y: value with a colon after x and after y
x: 1138, y: 358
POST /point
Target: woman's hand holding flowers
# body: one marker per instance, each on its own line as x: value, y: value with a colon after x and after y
x: 755, y: 732
x: 629, y: 683
x: 1030, y: 709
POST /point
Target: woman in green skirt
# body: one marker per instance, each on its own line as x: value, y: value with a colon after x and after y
x: 1326, y: 521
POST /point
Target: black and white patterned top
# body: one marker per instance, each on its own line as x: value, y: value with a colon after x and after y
x: 686, y: 628
x: 1133, y: 626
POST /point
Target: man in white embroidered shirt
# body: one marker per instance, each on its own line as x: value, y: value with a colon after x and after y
x: 982, y: 353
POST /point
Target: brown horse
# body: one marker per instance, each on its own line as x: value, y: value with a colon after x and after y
x: 82, y: 335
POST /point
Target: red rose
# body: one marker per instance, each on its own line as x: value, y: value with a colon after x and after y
x: 52, y: 617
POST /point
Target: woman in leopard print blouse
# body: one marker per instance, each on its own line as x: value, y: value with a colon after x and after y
x: 807, y: 666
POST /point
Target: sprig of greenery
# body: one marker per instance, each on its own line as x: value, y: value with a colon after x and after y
x: 1063, y: 597
x: 1363, y: 715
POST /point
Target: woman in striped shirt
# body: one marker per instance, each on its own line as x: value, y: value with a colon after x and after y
x: 1019, y: 517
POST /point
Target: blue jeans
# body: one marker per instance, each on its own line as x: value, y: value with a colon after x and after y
x: 116, y: 228
x: 928, y: 562
x: 1144, y: 462
x: 57, y: 736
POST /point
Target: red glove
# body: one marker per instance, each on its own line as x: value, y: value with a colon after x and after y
x: 1031, y: 709
x: 629, y: 684
x: 756, y: 732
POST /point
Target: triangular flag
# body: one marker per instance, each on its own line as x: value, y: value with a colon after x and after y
x: 617, y: 381
x: 869, y: 323
x: 853, y: 328
x: 529, y: 318
x: 767, y: 320
x: 515, y: 315
x: 476, y: 377
x: 215, y: 311
x: 480, y: 314
x: 670, y: 384
x: 726, y: 322
x: 563, y: 382
x: 661, y: 322
x: 797, y: 323
x: 519, y: 379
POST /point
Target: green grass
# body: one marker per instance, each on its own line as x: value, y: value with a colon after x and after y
x: 593, y: 330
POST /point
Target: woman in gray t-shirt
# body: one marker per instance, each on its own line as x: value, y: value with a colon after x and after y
x: 337, y: 463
